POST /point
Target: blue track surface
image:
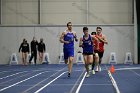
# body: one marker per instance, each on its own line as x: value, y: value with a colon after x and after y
x: 53, y: 78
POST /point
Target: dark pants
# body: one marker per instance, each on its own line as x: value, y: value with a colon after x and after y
x: 33, y: 55
x: 100, y: 57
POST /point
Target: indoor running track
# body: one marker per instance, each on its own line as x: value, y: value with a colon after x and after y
x: 53, y: 78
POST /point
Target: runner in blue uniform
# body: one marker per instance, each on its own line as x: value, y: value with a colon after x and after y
x: 68, y: 37
x: 87, y: 45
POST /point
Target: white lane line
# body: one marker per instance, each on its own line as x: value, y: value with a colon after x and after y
x: 4, y: 71
x: 49, y: 83
x: 113, y: 82
x: 21, y: 70
x: 38, y: 84
x: 64, y: 85
x: 130, y: 68
x: 76, y: 83
x: 82, y: 84
x: 135, y: 73
x: 78, y: 89
x: 21, y: 81
x: 17, y: 77
x: 12, y: 75
x: 97, y: 84
x: 14, y: 78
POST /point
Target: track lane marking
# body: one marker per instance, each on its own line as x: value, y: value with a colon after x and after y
x: 49, y: 83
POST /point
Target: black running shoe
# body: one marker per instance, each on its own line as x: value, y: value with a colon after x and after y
x: 68, y: 74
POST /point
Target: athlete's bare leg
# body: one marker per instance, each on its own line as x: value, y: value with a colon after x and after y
x: 23, y: 58
x: 70, y: 66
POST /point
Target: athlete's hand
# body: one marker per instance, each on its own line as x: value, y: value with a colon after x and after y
x: 76, y: 39
x: 106, y: 43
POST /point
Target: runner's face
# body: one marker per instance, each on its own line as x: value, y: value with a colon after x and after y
x: 69, y: 26
x: 41, y: 40
x: 98, y: 31
x: 86, y: 32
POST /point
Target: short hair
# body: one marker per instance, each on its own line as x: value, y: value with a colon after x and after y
x: 33, y: 37
x: 85, y: 28
x: 98, y: 28
x: 24, y: 39
x: 41, y: 39
x: 69, y: 23
x: 93, y: 33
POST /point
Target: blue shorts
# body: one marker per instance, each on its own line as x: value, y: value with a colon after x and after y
x: 68, y: 52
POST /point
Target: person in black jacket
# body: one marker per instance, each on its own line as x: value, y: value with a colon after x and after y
x: 34, y: 45
x: 24, y: 47
x: 41, y: 50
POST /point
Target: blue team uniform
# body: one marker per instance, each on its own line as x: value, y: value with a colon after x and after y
x: 87, y: 46
x: 68, y: 49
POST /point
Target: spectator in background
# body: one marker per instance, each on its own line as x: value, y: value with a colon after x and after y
x: 41, y: 50
x: 34, y: 45
x: 24, y: 48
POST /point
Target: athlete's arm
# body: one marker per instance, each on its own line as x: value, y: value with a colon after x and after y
x: 81, y: 42
x: 44, y: 46
x: 75, y: 36
x: 31, y: 45
x: 94, y: 38
x: 62, y: 38
x: 103, y: 39
x: 28, y: 49
x: 20, y: 47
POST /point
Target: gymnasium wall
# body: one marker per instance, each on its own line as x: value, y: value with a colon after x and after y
x: 138, y: 28
x: 47, y: 18
x: 120, y: 39
x: 59, y: 12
